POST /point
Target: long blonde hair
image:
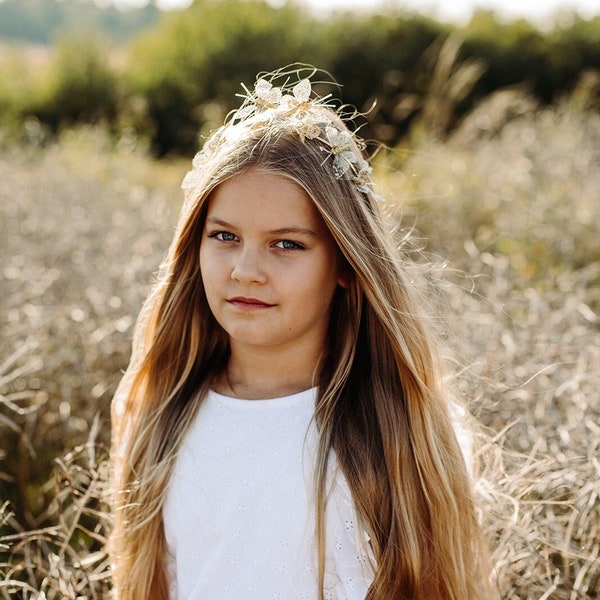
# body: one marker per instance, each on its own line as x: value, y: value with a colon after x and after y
x: 380, y: 404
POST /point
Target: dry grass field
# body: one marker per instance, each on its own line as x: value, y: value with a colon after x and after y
x: 508, y: 213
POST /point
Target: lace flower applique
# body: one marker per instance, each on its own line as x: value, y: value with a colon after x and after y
x: 266, y: 96
x: 298, y: 101
x: 341, y: 150
x: 362, y: 179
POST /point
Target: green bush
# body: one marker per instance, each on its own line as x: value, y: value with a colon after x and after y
x: 80, y: 87
x: 517, y: 53
x: 199, y: 57
x: 379, y: 57
x: 17, y: 73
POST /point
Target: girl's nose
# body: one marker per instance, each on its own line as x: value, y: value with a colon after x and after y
x: 248, y: 268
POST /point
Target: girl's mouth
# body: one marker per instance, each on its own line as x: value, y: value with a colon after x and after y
x: 250, y: 303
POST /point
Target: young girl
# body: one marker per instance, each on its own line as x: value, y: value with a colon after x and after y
x: 282, y: 430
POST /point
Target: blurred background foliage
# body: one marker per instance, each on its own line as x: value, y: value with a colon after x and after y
x: 164, y: 77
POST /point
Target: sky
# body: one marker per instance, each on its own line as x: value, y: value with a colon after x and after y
x: 449, y: 10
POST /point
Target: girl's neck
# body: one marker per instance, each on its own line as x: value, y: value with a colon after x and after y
x: 257, y: 376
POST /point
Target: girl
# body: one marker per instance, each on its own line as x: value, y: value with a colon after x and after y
x: 282, y: 430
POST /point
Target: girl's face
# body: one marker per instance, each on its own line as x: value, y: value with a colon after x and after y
x: 269, y: 265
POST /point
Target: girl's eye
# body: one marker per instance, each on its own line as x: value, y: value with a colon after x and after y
x: 289, y: 245
x: 223, y: 236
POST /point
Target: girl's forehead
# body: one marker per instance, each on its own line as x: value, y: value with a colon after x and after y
x: 264, y: 201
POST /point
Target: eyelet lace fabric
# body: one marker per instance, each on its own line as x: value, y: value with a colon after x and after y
x: 239, y: 516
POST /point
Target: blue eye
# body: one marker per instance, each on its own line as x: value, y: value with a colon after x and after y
x: 223, y: 236
x: 289, y: 245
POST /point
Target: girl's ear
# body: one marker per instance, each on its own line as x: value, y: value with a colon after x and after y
x: 346, y: 274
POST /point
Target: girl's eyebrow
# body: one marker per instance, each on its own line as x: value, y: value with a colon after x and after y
x: 280, y: 231
x: 220, y: 222
x: 294, y: 230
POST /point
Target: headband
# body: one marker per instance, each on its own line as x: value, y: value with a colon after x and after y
x: 304, y: 113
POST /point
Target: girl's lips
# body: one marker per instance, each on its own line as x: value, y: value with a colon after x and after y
x: 243, y: 302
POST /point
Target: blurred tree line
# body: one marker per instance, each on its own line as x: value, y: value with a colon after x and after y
x: 178, y: 78
x: 40, y: 21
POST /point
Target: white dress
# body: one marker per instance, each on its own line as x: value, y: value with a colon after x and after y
x: 239, y: 518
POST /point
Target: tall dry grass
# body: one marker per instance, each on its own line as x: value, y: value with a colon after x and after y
x: 514, y: 207
x: 83, y: 225
x: 507, y: 209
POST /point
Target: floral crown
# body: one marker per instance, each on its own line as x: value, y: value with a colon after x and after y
x: 302, y: 109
